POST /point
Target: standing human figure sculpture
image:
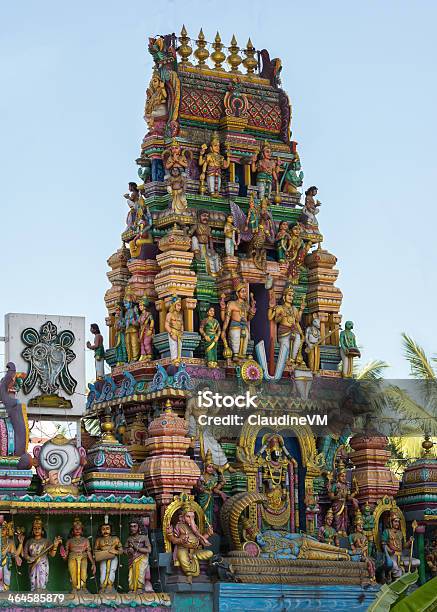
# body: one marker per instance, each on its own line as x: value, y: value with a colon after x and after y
x: 138, y: 548
x: 210, y: 483
x: 176, y: 184
x: 212, y: 164
x: 287, y: 317
x: 282, y: 241
x: 156, y: 101
x: 348, y: 349
x: 267, y: 170
x: 131, y: 319
x: 176, y: 157
x: 313, y: 339
x: 202, y: 243
x: 311, y: 209
x: 36, y: 552
x: 210, y: 331
x: 136, y: 204
x: 120, y: 336
x: 77, y: 553
x: 232, y: 236
x: 146, y: 331
x: 174, y: 326
x: 99, y: 351
x: 9, y: 553
x: 107, y: 548
x: 296, y: 253
x: 236, y: 315
x: 340, y: 494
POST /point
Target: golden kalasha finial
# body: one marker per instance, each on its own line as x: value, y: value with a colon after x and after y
x: 184, y: 50
x: 201, y: 52
x: 168, y: 406
x: 234, y: 60
x: 250, y: 62
x: 218, y: 57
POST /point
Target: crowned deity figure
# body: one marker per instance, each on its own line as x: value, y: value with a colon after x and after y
x: 311, y: 209
x: 393, y: 543
x: 266, y: 170
x: 189, y: 542
x: 156, y: 101
x: 360, y: 545
x: 348, y: 349
x: 210, y: 483
x: 176, y: 157
x: 131, y: 319
x: 107, y: 548
x: 120, y: 336
x: 36, y: 552
x: 340, y: 494
x: 313, y: 339
x: 232, y: 236
x: 282, y: 241
x: 296, y: 253
x: 211, y: 165
x: 327, y: 532
x: 293, y: 177
x: 147, y: 330
x: 264, y: 233
x: 138, y: 548
x: 274, y: 460
x: 9, y: 553
x: 236, y: 315
x: 136, y: 204
x: 78, y: 552
x: 287, y: 317
x: 202, y: 243
x: 99, y: 351
x: 176, y: 184
x: 210, y: 331
x: 174, y: 326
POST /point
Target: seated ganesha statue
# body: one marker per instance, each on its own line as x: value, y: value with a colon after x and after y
x: 59, y: 464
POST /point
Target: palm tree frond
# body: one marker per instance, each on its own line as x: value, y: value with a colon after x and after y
x: 372, y: 370
x: 415, y: 355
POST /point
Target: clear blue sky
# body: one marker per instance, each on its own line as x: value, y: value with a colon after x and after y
x: 362, y: 80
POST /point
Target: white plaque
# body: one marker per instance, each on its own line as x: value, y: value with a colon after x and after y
x: 50, y: 350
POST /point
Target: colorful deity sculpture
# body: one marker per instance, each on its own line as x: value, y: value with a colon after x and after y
x: 340, y: 494
x: 138, y: 548
x: 132, y: 323
x: 348, y: 349
x: 155, y: 110
x: 146, y: 331
x: 78, y: 552
x: 296, y: 253
x: 236, y: 315
x: 274, y: 460
x: 210, y: 331
x: 313, y: 340
x: 311, y: 209
x: 176, y: 184
x: 202, y: 243
x: 287, y: 317
x: 36, y: 552
x: 99, y: 351
x: 142, y: 226
x: 9, y: 553
x: 232, y: 236
x: 189, y: 542
x: 176, y: 157
x: 360, y: 545
x: 174, y: 326
x: 210, y: 483
x: 212, y: 164
x: 136, y: 204
x: 282, y: 241
x: 266, y: 170
x: 327, y: 532
x: 293, y: 176
x: 107, y: 549
x: 252, y: 221
x: 120, y: 336
x: 393, y: 543
x: 59, y: 464
x: 264, y: 233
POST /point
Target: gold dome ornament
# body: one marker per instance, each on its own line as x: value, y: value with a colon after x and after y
x: 201, y: 53
x: 184, y: 50
x: 107, y: 427
x: 234, y: 60
x: 218, y: 57
x: 250, y: 63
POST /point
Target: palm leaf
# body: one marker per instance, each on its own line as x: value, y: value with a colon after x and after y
x: 371, y: 371
x: 415, y: 355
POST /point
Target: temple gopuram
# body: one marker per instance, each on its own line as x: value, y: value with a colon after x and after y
x: 174, y: 499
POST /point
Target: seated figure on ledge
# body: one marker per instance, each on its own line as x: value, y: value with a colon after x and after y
x: 393, y: 544
x: 360, y: 545
x: 282, y: 545
x: 327, y: 533
x: 348, y: 349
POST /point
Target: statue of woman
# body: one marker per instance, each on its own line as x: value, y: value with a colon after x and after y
x: 210, y: 332
x: 232, y: 236
x: 282, y: 241
x: 147, y: 329
x: 120, y: 337
x: 297, y: 251
x: 174, y: 326
x: 311, y: 209
x: 210, y: 483
x: 9, y: 552
x: 36, y: 551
